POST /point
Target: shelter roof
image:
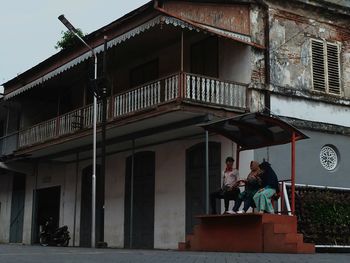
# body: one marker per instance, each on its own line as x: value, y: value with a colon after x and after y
x: 255, y: 130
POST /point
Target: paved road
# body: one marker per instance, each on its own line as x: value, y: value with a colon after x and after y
x: 36, y: 254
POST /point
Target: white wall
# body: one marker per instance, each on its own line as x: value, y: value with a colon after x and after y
x: 311, y: 110
x: 5, y: 209
x: 234, y: 61
x: 114, y: 202
x: 170, y: 190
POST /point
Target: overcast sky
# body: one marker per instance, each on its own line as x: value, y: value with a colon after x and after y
x: 30, y: 29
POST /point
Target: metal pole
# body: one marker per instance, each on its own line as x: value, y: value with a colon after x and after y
x: 93, y: 226
x: 293, y: 173
x: 72, y: 29
x: 132, y: 192
x: 207, y: 172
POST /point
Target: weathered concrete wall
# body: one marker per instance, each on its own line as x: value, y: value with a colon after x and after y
x: 5, y: 206
x: 308, y: 167
x: 290, y: 52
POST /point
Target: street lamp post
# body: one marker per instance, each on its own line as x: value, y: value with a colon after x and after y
x: 72, y: 29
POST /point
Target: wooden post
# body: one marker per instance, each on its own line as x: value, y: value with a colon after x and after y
x: 293, y: 173
x: 238, y: 153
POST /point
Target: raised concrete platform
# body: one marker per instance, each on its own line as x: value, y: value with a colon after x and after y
x: 247, y: 233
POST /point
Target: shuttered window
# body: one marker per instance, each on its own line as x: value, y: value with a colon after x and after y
x: 325, y: 66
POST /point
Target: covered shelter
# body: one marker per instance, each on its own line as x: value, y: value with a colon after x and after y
x: 257, y: 130
x: 263, y: 233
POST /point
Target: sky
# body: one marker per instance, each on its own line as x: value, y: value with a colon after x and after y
x: 29, y: 30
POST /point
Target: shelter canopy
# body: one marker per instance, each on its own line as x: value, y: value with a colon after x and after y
x: 255, y: 130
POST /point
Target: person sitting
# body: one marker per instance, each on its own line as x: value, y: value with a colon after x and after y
x: 262, y: 198
x: 229, y: 190
x: 252, y: 185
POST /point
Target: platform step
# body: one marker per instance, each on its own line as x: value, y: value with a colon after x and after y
x: 183, y: 246
x: 189, y: 238
x: 285, y: 228
x: 306, y: 248
x: 294, y: 238
x: 263, y: 233
x: 279, y: 219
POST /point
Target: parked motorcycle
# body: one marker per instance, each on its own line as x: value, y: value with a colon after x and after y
x: 50, y: 235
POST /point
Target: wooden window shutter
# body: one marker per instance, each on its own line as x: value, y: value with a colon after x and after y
x: 318, y: 65
x: 333, y: 68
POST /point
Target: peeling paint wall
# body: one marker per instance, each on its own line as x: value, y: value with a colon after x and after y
x: 290, y: 38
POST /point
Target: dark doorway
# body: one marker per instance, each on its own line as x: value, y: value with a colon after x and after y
x: 204, y: 57
x: 144, y: 73
x: 47, y: 205
x: 17, y: 208
x: 195, y: 179
x: 86, y: 207
x: 143, y: 201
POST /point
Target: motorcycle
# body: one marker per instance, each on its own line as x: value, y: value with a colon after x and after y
x: 54, y: 236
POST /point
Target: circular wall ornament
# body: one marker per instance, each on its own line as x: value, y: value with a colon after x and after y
x: 329, y: 157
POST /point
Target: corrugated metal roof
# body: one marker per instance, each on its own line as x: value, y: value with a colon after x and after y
x: 255, y: 130
x: 121, y: 38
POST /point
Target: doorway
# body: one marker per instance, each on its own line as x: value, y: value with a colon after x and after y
x: 142, y: 221
x: 195, y: 179
x: 47, y: 205
x: 17, y: 208
x: 204, y: 57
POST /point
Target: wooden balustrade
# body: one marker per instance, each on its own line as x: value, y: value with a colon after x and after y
x: 179, y: 86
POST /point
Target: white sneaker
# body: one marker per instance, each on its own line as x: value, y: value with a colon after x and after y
x: 240, y: 212
x: 231, y: 212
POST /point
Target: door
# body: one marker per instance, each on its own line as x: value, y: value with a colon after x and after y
x: 204, y: 57
x: 195, y: 179
x: 17, y: 208
x: 47, y: 205
x: 142, y: 221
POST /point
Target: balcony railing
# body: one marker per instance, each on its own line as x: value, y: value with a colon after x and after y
x: 8, y: 144
x: 186, y: 87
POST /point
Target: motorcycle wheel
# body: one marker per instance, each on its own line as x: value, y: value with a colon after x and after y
x: 44, y: 240
x: 65, y: 242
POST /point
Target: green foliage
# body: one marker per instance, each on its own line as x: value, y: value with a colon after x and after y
x: 68, y: 39
x: 324, y: 216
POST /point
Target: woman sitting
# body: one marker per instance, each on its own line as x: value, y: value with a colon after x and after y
x: 252, y: 185
x: 262, y: 198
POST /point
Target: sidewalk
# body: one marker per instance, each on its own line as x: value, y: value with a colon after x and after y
x: 35, y: 254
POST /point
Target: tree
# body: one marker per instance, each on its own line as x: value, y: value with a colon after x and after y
x: 68, y: 39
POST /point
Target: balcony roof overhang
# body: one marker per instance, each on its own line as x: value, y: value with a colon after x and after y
x: 162, y: 19
x: 255, y: 130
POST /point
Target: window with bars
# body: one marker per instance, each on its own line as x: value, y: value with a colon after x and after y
x: 325, y: 66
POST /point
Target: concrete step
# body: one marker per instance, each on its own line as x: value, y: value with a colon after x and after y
x: 183, y: 246
x: 306, y: 248
x: 189, y: 238
x: 285, y: 228
x: 294, y: 238
x: 278, y: 219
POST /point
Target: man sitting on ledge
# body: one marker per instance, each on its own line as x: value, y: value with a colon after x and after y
x: 229, y: 190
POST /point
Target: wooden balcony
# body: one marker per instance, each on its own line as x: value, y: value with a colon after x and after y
x: 181, y: 87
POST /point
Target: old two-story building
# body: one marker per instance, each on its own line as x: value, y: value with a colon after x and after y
x: 171, y: 66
